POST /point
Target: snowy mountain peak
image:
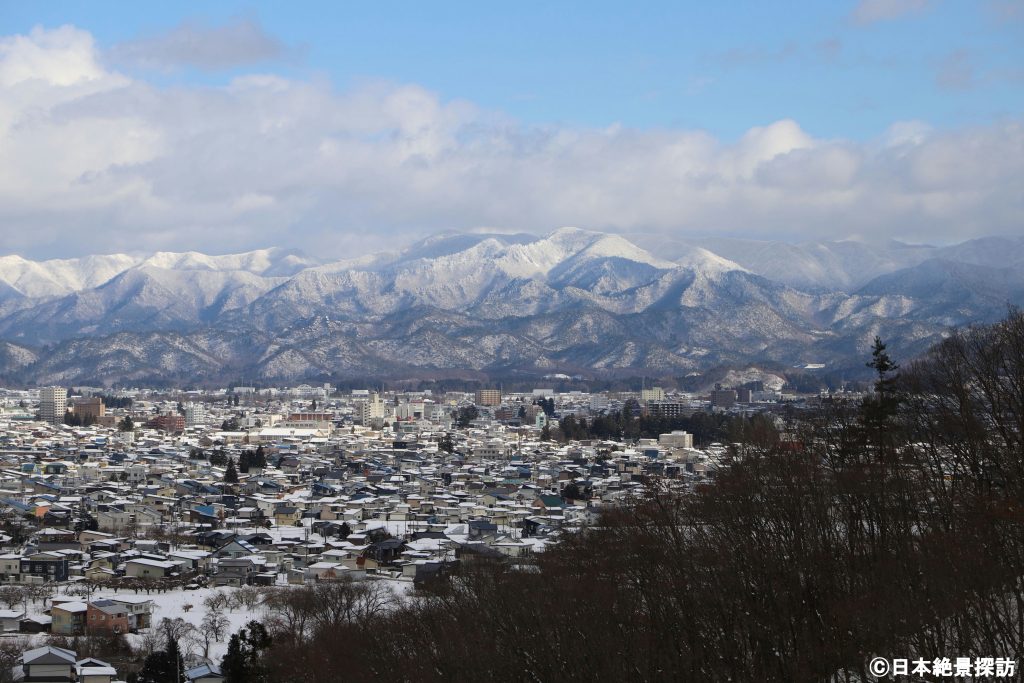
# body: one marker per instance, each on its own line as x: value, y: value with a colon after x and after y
x: 56, y: 277
x: 707, y: 262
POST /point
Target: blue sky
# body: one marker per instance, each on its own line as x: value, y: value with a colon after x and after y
x: 722, y: 67
x: 758, y: 98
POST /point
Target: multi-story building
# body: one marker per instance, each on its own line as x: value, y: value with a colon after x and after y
x: 723, y: 398
x: 53, y: 404
x: 669, y: 408
x: 652, y: 394
x: 169, y: 422
x: 676, y: 439
x: 488, y: 397
x: 195, y: 414
x: 371, y: 409
x: 89, y: 410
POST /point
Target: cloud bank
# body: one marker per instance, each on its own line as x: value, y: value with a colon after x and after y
x: 93, y: 161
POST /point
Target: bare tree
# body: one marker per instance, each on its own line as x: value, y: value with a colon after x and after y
x: 13, y: 596
x: 211, y: 629
x: 10, y: 657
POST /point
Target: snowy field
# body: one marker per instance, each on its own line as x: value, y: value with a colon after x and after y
x: 191, y: 607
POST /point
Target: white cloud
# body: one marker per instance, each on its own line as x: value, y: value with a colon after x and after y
x: 238, y: 42
x: 62, y: 57
x: 92, y: 161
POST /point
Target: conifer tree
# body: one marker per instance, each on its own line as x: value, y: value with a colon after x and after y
x: 231, y: 473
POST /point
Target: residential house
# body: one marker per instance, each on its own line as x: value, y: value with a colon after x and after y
x: 204, y: 673
x: 92, y: 670
x: 144, y: 568
x: 50, y: 664
x: 47, y: 566
x: 10, y: 568
x: 235, y: 572
x: 107, y: 616
x: 235, y: 548
x: 139, y: 608
x: 10, y: 620
x: 287, y: 515
x: 69, y: 618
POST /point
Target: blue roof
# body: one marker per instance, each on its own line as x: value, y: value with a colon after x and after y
x: 18, y: 505
x: 203, y: 670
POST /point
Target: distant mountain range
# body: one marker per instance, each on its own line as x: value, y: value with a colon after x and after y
x: 573, y: 301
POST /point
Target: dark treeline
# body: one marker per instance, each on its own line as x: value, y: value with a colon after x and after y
x: 894, y: 528
x: 116, y: 401
x: 627, y: 425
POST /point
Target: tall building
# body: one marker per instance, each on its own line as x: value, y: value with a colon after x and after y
x: 723, y: 398
x: 195, y: 414
x: 488, y: 397
x: 53, y: 403
x: 370, y: 410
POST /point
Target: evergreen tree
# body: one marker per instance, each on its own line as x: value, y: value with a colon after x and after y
x: 883, y: 366
x: 126, y: 425
x: 878, y: 410
x: 235, y: 665
x: 243, y: 662
x: 259, y: 458
x: 231, y: 473
x: 446, y: 443
x: 465, y: 415
x: 164, y: 666
x: 175, y: 662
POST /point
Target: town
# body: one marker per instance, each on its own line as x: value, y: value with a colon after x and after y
x: 127, y: 509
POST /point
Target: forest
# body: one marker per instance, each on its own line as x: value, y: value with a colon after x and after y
x: 890, y: 527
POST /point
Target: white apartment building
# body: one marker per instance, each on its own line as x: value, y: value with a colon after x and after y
x: 53, y: 403
x: 195, y: 414
x: 371, y: 409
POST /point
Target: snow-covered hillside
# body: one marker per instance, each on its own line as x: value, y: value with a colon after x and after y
x: 573, y: 299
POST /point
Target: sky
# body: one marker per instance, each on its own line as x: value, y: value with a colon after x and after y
x: 341, y: 128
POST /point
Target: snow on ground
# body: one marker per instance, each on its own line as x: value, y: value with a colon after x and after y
x: 173, y: 604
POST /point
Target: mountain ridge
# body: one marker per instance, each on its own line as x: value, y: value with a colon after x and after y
x: 571, y: 299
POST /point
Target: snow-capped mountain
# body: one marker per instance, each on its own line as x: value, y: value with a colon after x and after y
x: 56, y: 277
x: 571, y: 300
x: 844, y: 266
